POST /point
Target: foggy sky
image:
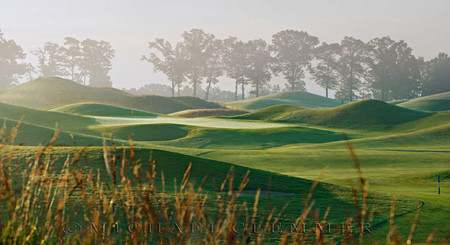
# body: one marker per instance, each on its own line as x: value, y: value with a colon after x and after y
x: 129, y: 25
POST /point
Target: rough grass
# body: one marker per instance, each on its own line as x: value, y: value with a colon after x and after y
x: 95, y: 109
x: 53, y: 92
x: 65, y: 191
x: 297, y: 98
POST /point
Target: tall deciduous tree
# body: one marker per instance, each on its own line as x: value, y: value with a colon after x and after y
x: 72, y: 55
x: 259, y: 64
x: 12, y: 65
x: 395, y: 72
x: 50, y: 60
x: 236, y: 62
x: 438, y: 76
x: 97, y: 62
x: 353, y: 63
x: 214, y: 66
x: 195, y: 47
x: 324, y: 72
x: 293, y: 51
x: 169, y: 61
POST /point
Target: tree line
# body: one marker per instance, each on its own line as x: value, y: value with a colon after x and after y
x: 381, y: 68
x: 87, y: 62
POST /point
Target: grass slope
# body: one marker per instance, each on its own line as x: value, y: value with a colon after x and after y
x: 254, y: 139
x: 54, y: 92
x: 95, y: 109
x: 364, y: 114
x: 208, y: 113
x: 432, y: 103
x: 45, y: 118
x: 297, y: 98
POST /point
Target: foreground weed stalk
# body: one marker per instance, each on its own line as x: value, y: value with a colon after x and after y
x: 44, y: 203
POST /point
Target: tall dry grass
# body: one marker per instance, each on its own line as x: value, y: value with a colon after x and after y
x: 41, y: 202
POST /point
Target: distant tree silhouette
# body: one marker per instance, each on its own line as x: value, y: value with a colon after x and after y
x: 96, y: 62
x: 293, y: 51
x: 324, y: 72
x: 50, y: 59
x: 437, y: 77
x: 12, y: 64
x: 196, y: 44
x: 214, y: 66
x: 353, y: 62
x: 169, y: 61
x: 236, y: 62
x: 72, y: 57
x: 259, y: 65
x: 394, y: 72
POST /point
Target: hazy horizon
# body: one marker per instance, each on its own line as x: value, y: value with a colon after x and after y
x: 130, y: 26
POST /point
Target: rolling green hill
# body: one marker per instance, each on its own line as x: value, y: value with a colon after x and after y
x: 364, y: 114
x: 95, y: 109
x: 45, y: 118
x: 52, y: 92
x: 297, y: 98
x: 254, y: 139
x: 432, y: 103
x: 270, y: 113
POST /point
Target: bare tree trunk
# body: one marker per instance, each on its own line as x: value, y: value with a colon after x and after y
x: 173, y: 89
x: 236, y: 90
x: 257, y: 89
x: 326, y: 90
x: 243, y: 90
x: 178, y: 90
x: 208, y: 88
x: 195, y: 88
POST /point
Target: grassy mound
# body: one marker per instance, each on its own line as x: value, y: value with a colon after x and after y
x: 364, y: 114
x: 52, y: 92
x: 208, y: 113
x: 254, y: 139
x: 34, y: 135
x: 433, y: 138
x: 297, y: 98
x: 95, y: 109
x: 432, y: 103
x: 270, y: 113
x: 149, y: 132
x: 45, y: 118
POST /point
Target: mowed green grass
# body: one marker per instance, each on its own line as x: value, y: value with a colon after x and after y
x: 96, y: 109
x: 51, y: 92
x: 297, y: 98
x: 364, y: 114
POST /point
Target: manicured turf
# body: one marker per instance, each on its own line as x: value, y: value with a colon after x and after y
x: 51, y: 92
x: 95, y: 109
x: 297, y: 98
x: 364, y: 114
x: 208, y: 113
